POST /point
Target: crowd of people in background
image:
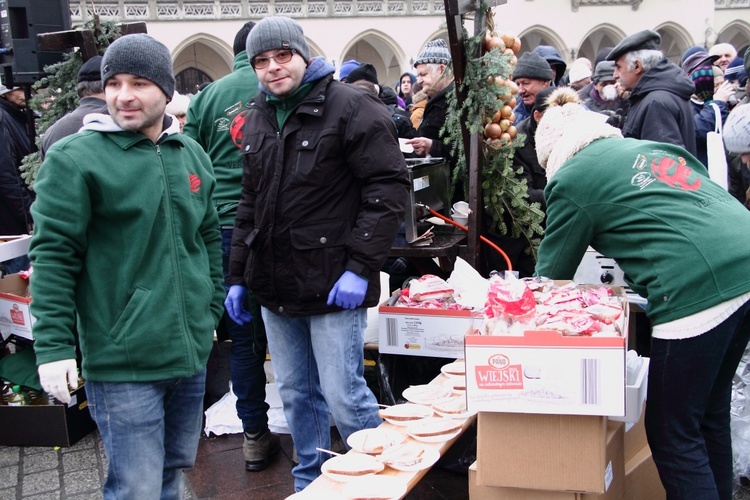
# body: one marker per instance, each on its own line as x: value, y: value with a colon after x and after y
x: 327, y: 223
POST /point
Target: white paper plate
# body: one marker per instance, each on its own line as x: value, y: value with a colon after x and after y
x: 417, y: 426
x: 430, y: 456
x: 375, y: 487
x: 463, y: 414
x: 410, y: 409
x: 436, y: 439
x: 333, y: 462
x: 427, y: 394
x: 367, y: 440
x: 455, y: 369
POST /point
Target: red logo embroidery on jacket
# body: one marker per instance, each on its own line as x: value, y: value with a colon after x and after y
x: 195, y: 183
x: 237, y: 127
x: 676, y: 178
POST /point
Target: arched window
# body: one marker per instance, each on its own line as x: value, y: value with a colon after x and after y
x: 188, y: 80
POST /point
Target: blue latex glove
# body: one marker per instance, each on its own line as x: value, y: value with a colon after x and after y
x: 349, y: 291
x: 234, y: 304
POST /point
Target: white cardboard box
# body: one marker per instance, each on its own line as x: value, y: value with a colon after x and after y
x: 423, y: 332
x: 15, y: 317
x: 635, y: 395
x: 546, y: 372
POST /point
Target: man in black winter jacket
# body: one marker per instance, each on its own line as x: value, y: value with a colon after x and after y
x: 15, y: 197
x: 659, y: 92
x: 324, y: 188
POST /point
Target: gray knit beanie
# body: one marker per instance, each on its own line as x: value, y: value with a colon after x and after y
x: 532, y: 65
x: 435, y: 52
x: 737, y: 130
x: 276, y: 33
x: 140, y: 55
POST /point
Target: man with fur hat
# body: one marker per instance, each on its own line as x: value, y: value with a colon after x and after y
x: 532, y: 74
x: 659, y: 92
x: 15, y: 196
x: 323, y: 193
x: 653, y: 208
x: 126, y: 251
x: 91, y: 100
x: 215, y: 119
x: 436, y: 77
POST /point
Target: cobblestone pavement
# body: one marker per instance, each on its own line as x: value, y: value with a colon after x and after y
x: 45, y: 473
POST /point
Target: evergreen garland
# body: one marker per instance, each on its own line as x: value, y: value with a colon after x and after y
x: 61, y: 96
x: 504, y: 190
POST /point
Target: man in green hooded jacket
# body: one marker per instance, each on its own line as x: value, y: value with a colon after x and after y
x: 126, y: 250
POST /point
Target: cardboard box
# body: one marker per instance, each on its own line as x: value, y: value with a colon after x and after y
x: 549, y: 452
x: 635, y: 395
x: 635, y: 437
x: 479, y: 492
x: 15, y: 316
x: 546, y: 372
x: 422, y: 332
x: 14, y: 246
x: 49, y: 425
x: 642, y: 479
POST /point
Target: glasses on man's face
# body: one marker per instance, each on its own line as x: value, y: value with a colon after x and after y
x: 281, y: 57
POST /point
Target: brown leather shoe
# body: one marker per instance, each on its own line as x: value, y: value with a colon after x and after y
x: 258, y: 450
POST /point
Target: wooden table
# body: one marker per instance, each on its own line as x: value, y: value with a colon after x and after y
x: 322, y: 484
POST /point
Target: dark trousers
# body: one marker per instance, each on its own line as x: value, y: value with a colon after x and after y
x: 247, y: 356
x: 687, y: 415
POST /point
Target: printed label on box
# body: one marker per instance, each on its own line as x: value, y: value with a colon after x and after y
x: 16, y: 315
x: 419, y: 332
x: 545, y: 376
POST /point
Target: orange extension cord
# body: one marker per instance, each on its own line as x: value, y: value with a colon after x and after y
x: 484, y: 239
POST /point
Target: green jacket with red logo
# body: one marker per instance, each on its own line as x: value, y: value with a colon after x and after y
x: 680, y: 238
x: 126, y: 248
x: 209, y: 121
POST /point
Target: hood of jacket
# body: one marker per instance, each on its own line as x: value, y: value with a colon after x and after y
x: 104, y: 123
x: 553, y: 57
x: 665, y: 76
x: 317, y: 69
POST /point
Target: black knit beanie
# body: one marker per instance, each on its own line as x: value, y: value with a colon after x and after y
x: 140, y: 55
x: 365, y: 71
x: 532, y: 65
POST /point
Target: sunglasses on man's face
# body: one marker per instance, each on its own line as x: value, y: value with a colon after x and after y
x: 281, y: 57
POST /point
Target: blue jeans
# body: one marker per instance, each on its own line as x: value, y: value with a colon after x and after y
x: 319, y: 366
x: 150, y: 432
x: 247, y: 356
x: 15, y: 265
x: 687, y: 414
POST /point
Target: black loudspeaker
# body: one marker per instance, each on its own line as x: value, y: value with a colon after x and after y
x: 20, y: 23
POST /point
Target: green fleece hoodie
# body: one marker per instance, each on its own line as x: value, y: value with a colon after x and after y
x: 681, y: 240
x: 209, y: 116
x: 126, y: 238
